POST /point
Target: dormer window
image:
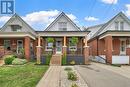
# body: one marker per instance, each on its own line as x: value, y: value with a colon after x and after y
x: 16, y: 28
x: 62, y: 26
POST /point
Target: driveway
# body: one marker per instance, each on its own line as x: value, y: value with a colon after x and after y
x: 96, y: 76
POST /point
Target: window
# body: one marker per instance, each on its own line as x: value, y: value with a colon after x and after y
x: 49, y: 46
x: 16, y: 28
x: 121, y: 25
x: 62, y: 26
x: 72, y: 47
x: 116, y: 25
x: 19, y: 46
x: 7, y: 44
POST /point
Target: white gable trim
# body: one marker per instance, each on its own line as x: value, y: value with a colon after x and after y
x: 62, y: 14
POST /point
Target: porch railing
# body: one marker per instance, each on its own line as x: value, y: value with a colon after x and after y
x: 77, y: 51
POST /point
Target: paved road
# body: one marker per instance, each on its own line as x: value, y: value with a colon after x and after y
x: 96, y: 76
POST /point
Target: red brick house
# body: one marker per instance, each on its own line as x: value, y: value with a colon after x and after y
x: 17, y: 34
x: 111, y: 41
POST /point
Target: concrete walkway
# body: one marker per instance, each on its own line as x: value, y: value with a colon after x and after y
x: 51, y: 77
x: 123, y: 70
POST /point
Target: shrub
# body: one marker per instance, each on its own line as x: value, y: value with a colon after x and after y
x: 74, y: 85
x: 19, y: 61
x: 68, y: 69
x: 8, y: 60
x: 72, y: 76
x: 72, y: 62
x: 64, y: 60
x: 48, y: 58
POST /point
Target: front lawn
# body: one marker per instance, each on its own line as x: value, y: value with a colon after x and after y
x: 21, y: 75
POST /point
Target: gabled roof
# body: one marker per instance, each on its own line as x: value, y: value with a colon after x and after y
x: 62, y: 14
x: 17, y: 16
x: 106, y: 24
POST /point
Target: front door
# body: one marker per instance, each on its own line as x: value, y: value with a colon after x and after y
x: 58, y: 46
x: 123, y: 47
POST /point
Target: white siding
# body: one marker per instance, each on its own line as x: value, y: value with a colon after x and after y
x: 70, y: 27
x: 111, y: 26
x: 120, y: 59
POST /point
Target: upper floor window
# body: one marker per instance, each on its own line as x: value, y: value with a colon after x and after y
x: 16, y: 28
x: 119, y: 25
x: 62, y: 26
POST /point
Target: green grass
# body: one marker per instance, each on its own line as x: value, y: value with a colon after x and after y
x: 21, y: 75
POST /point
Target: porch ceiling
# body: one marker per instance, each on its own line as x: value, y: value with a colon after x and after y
x: 114, y: 33
x: 60, y: 34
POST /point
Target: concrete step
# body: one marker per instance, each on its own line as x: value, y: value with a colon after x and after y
x: 56, y: 60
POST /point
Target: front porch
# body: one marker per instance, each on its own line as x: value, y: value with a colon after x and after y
x: 115, y: 49
x: 62, y: 46
x: 18, y: 46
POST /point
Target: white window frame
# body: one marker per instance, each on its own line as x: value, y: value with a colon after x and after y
x: 17, y: 30
x: 17, y: 44
x: 62, y: 26
x: 72, y: 48
x: 10, y: 44
x: 48, y: 48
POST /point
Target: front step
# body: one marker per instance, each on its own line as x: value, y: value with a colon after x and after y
x: 56, y: 60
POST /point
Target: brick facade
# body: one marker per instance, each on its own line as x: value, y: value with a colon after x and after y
x: 27, y: 41
x: 108, y: 49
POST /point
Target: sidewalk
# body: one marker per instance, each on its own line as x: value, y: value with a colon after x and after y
x: 51, y: 77
x: 123, y: 70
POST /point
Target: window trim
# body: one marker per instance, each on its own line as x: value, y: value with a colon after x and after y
x: 71, y: 47
x: 9, y: 46
x: 62, y: 26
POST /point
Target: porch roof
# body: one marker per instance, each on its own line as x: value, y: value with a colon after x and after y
x: 114, y: 33
x: 16, y: 35
x: 62, y: 33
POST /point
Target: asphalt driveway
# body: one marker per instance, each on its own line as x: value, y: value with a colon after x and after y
x: 96, y: 76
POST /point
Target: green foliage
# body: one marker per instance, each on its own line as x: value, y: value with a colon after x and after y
x: 8, y: 60
x: 72, y: 76
x: 68, y: 69
x: 74, y: 85
x: 27, y: 75
x: 22, y: 51
x: 19, y: 61
x: 116, y: 65
x: 73, y: 41
x: 48, y: 58
x: 50, y: 40
x: 64, y: 60
x: 72, y: 62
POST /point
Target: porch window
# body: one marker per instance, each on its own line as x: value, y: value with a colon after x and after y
x: 7, y: 44
x: 72, y: 47
x: 49, y: 46
x: 16, y: 28
x: 62, y: 26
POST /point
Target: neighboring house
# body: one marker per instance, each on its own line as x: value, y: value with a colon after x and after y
x: 111, y: 40
x: 17, y: 34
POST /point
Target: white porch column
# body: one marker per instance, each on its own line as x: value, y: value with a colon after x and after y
x: 86, y: 51
x: 39, y: 50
